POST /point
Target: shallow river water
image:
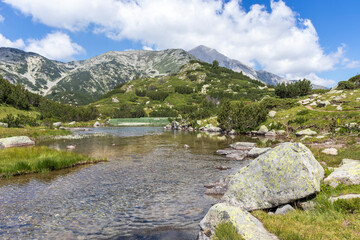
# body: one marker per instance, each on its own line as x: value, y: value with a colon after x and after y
x: 150, y: 188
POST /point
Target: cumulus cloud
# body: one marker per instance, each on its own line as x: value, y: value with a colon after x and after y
x: 55, y: 45
x: 4, y: 42
x: 277, y: 38
x: 314, y: 78
x: 2, y: 19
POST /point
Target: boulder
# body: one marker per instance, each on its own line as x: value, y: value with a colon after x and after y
x: 284, y: 209
x: 344, y: 197
x: 16, y: 141
x: 246, y: 225
x: 306, y: 206
x: 307, y: 132
x: 211, y: 128
x: 323, y: 103
x: 186, y: 146
x: 348, y: 173
x: 281, y: 132
x: 255, y: 152
x: 232, y: 132
x: 70, y: 147
x: 282, y: 175
x: 72, y: 123
x: 175, y: 125
x: 238, y: 155
x: 263, y: 129
x: 243, y: 145
x: 272, y: 114
x: 114, y: 100
x: 339, y: 108
x: 330, y: 151
x: 96, y: 124
x: 57, y: 124
x: 4, y: 125
x: 271, y: 133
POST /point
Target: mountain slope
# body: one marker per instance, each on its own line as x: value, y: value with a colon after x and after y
x: 81, y: 82
x: 208, y: 55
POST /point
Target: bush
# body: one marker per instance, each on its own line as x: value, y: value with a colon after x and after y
x: 164, y: 112
x: 279, y: 103
x: 346, y: 85
x: 184, y: 89
x: 157, y: 95
x: 140, y: 93
x: 298, y: 120
x: 241, y: 116
x: 19, y: 121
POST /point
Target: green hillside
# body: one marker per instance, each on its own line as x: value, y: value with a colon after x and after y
x: 196, y: 91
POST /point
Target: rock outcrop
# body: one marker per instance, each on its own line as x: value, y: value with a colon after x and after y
x: 246, y: 225
x: 348, y: 173
x: 282, y: 175
x: 16, y: 141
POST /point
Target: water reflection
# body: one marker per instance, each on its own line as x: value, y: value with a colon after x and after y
x: 151, y: 188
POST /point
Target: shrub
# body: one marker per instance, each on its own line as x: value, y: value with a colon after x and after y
x: 279, y: 103
x: 293, y: 90
x: 345, y: 85
x: 163, y: 112
x: 140, y: 93
x: 303, y: 112
x: 184, y: 89
x: 298, y: 120
x: 157, y: 95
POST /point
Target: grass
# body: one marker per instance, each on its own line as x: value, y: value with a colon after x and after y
x: 340, y: 220
x: 18, y: 161
x: 226, y: 231
x: 32, y: 132
x: 5, y: 110
x: 350, y: 152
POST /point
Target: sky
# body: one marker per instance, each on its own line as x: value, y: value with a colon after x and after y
x: 313, y: 39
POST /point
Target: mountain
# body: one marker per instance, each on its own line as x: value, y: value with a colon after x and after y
x: 208, y: 55
x: 81, y: 82
x: 195, y: 92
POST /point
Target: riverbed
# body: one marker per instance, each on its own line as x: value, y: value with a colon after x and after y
x: 151, y: 187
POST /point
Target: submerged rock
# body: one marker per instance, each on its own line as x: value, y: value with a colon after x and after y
x: 225, y: 151
x: 282, y: 175
x: 348, y: 173
x: 263, y: 129
x: 242, y: 145
x: 238, y: 155
x: 16, y: 141
x: 246, y: 225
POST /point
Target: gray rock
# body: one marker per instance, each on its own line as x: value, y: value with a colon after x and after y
x: 282, y: 175
x: 271, y: 133
x: 255, y: 152
x: 72, y: 123
x: 218, y: 190
x: 272, y: 114
x: 306, y: 206
x: 2, y: 146
x: 307, y: 132
x: 114, y: 100
x: 323, y: 103
x: 344, y: 197
x: 263, y: 129
x: 223, y: 167
x: 4, y: 125
x: 96, y: 124
x: 57, y: 124
x: 16, y: 141
x: 246, y: 225
x: 284, y: 209
x: 238, y: 155
x: 225, y: 151
x: 330, y: 151
x: 232, y: 132
x: 186, y: 146
x: 348, y: 173
x: 175, y: 125
x: 243, y: 145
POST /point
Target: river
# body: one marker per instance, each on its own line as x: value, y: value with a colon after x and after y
x: 150, y: 188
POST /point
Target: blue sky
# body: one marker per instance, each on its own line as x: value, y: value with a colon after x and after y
x: 313, y: 39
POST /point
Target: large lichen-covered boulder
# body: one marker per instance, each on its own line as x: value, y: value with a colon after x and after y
x: 16, y: 141
x: 348, y: 173
x: 282, y: 175
x: 246, y: 225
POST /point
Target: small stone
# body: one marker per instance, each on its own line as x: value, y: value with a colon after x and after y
x: 330, y: 151
x: 344, y: 197
x: 272, y: 114
x: 114, y: 100
x: 96, y: 124
x: 223, y: 167
x: 284, y: 209
x: 4, y: 125
x: 308, y: 132
x: 72, y: 123
x: 243, y: 145
x: 271, y: 133
x: 237, y: 156
x: 339, y: 108
x: 306, y: 206
x: 57, y: 124
x: 186, y: 146
x: 70, y: 147
x: 281, y: 132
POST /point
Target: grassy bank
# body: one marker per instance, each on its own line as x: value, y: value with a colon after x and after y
x: 18, y: 161
x: 327, y: 221
x: 32, y: 132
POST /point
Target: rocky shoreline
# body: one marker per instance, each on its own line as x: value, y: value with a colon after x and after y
x: 278, y: 180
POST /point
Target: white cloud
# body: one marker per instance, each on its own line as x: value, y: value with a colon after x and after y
x: 315, y: 79
x: 4, y: 42
x: 2, y: 19
x: 147, y: 48
x: 55, y: 45
x: 277, y: 39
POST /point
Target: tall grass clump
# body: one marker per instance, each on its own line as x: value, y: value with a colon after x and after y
x: 17, y: 161
x: 226, y: 231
